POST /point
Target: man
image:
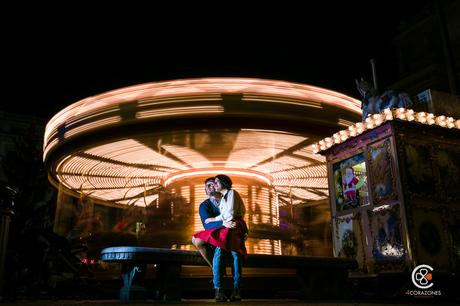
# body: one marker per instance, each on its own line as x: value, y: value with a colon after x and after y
x: 208, y: 208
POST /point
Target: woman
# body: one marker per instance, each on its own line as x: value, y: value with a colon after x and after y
x: 232, y: 211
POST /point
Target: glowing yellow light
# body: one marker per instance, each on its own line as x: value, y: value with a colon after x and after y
x: 120, y: 171
x: 152, y: 100
x: 421, y: 117
x: 179, y: 111
x: 375, y: 120
x: 197, y: 172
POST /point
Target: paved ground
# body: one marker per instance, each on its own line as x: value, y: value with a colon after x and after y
x: 196, y: 302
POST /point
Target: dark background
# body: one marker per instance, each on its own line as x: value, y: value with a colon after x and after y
x: 55, y: 56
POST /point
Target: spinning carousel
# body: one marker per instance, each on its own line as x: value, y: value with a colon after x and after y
x: 132, y: 161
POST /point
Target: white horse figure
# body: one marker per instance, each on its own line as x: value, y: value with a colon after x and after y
x: 374, y: 103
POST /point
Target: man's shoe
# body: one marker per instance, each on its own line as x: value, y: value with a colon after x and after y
x: 235, y: 297
x: 220, y: 295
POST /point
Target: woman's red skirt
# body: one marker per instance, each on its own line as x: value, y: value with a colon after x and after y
x: 229, y: 239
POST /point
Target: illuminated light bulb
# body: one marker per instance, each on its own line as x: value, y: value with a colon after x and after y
x: 441, y: 120
x: 400, y: 113
x: 378, y: 119
x: 321, y: 142
x: 344, y: 135
x: 370, y: 123
x: 430, y: 118
x: 421, y: 117
x: 389, y: 115
x: 352, y: 131
x: 378, y: 122
x: 323, y: 148
x: 328, y: 140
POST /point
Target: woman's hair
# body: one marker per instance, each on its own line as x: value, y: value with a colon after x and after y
x: 225, y: 181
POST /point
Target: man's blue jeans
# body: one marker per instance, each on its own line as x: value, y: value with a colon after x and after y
x: 218, y: 266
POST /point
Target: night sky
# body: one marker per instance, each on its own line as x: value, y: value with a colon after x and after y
x: 56, y: 58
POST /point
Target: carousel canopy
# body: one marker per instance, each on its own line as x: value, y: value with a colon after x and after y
x: 126, y: 145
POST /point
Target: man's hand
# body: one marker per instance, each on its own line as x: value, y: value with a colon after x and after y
x: 229, y: 224
x: 208, y: 220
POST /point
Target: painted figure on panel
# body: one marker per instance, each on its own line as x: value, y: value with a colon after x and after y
x: 349, y: 181
x: 388, y: 244
x: 349, y: 245
x: 381, y: 171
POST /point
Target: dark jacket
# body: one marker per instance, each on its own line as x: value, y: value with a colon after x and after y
x: 208, y: 210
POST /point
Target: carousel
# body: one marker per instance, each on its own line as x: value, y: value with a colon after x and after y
x: 130, y: 164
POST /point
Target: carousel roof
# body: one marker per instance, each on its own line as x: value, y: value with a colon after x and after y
x: 375, y: 120
x: 125, y: 145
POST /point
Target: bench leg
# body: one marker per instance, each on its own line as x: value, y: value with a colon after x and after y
x: 169, y: 286
x: 133, y: 277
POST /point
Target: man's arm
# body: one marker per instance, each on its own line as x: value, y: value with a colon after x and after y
x: 204, y: 214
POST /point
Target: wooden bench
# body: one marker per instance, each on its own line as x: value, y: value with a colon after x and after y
x: 317, y: 276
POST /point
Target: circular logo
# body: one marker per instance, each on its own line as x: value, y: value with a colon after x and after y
x: 422, y: 276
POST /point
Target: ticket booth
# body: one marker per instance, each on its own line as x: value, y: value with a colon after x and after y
x: 394, y: 184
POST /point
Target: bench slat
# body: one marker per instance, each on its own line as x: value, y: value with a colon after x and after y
x: 185, y: 257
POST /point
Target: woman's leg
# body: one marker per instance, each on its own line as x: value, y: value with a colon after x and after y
x: 204, y: 250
